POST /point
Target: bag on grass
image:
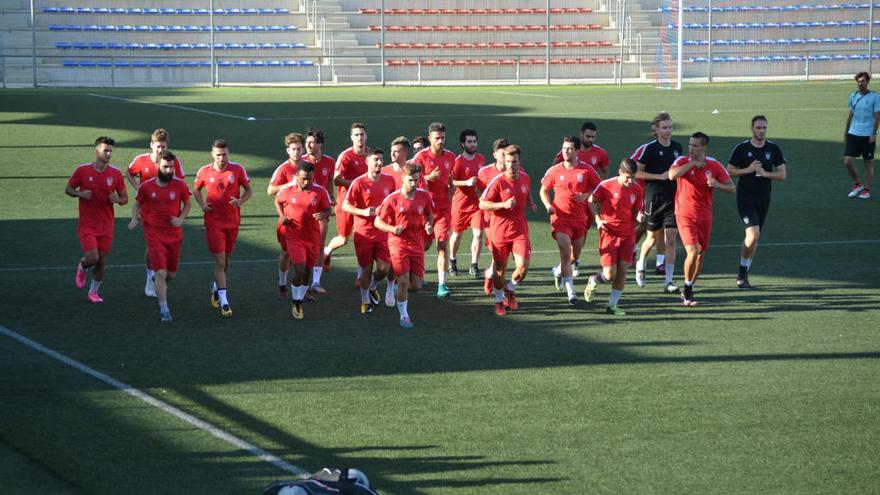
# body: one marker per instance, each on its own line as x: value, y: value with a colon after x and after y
x: 348, y: 481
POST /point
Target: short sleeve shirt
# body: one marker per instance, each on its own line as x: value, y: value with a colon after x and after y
x: 364, y: 193
x: 324, y: 168
x: 438, y: 188
x: 222, y: 186
x: 693, y: 199
x: 863, y: 108
x: 595, y: 156
x: 350, y: 166
x: 508, y: 224
x: 465, y: 198
x: 144, y: 167
x: 566, y: 184
x: 398, y: 210
x: 300, y: 206
x: 657, y: 160
x: 159, y: 204
x: 96, y: 214
x: 283, y: 174
x: 750, y: 185
x: 618, y: 206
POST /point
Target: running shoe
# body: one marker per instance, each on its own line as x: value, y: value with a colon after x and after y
x: 855, y: 190
x: 670, y: 288
x: 510, y: 300
x: 215, y: 299
x: 453, y: 267
x: 80, y: 278
x: 590, y: 290
x: 474, y: 271
x: 326, y: 266
x: 165, y: 315
x: 487, y: 286
x: 297, y: 310
x: 865, y: 194
x: 572, y: 298
x: 366, y: 308
x: 557, y: 278
x: 94, y: 297
x: 405, y: 322
x: 640, y: 278
x: 375, y: 297
x: 317, y: 289
x: 390, y: 299
x: 443, y: 291
x: 500, y: 310
x: 660, y: 269
x: 575, y: 268
x: 226, y: 311
x: 614, y: 310
x: 150, y: 287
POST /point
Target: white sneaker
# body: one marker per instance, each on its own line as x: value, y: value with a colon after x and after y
x: 390, y: 301
x: 865, y: 194
x: 150, y: 288
x: 855, y: 191
x: 640, y: 278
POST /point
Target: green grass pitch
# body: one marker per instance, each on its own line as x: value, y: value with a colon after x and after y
x: 773, y: 390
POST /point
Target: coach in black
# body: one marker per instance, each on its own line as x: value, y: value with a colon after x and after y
x: 757, y: 162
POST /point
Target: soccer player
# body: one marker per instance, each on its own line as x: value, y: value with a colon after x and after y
x: 507, y: 197
x: 466, y: 202
x: 589, y: 153
x: 437, y: 164
x: 284, y: 177
x: 654, y: 160
x: 616, y: 204
x: 407, y: 215
x: 399, y: 157
x: 143, y: 168
x: 227, y: 188
x: 362, y: 200
x: 351, y: 164
x: 571, y: 182
x: 99, y: 186
x: 301, y: 208
x: 860, y: 135
x: 484, y: 177
x: 697, y: 175
x: 419, y: 143
x: 162, y: 206
x: 324, y: 168
x: 757, y: 162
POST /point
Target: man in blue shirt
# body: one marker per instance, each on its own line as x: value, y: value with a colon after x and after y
x: 861, y: 134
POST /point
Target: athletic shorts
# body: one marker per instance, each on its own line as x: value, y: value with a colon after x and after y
x: 660, y: 213
x: 281, y: 235
x: 89, y: 241
x: 695, y: 231
x: 574, y: 230
x: 501, y: 251
x: 370, y: 250
x: 442, y: 225
x: 613, y: 249
x: 163, y: 254
x: 221, y: 240
x: 344, y: 221
x: 462, y: 220
x: 860, y: 146
x: 407, y: 261
x: 752, y: 212
x: 302, y: 252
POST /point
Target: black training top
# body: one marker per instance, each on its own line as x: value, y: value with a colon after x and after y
x: 770, y: 156
x: 657, y: 160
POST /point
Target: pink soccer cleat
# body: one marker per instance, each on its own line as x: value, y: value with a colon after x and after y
x: 95, y: 298
x: 80, y: 279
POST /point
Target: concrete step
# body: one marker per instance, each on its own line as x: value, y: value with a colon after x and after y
x: 345, y: 78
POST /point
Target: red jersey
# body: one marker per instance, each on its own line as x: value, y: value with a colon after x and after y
x: 397, y: 175
x: 350, y: 166
x: 300, y: 206
x: 566, y: 184
x: 96, y: 214
x: 693, y: 197
x: 323, y: 170
x: 364, y: 193
x: 485, y: 176
x: 410, y: 214
x: 222, y: 186
x: 147, y: 169
x: 439, y: 188
x: 159, y: 204
x: 595, y: 156
x: 283, y: 174
x: 466, y: 198
x: 618, y: 206
x: 507, y: 225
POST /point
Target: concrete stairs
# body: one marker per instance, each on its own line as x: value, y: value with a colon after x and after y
x: 16, y: 44
x: 348, y: 61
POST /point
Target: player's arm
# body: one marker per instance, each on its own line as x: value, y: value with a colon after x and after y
x: 876, y: 124
x: 386, y: 227
x: 778, y: 174
x: 130, y: 179
x: 493, y: 206
x: 849, y: 117
x: 348, y: 207
x: 197, y: 193
x: 245, y: 196
x: 429, y: 223
x: 135, y: 215
x: 76, y: 193
x: 273, y: 189
x: 643, y: 174
x: 735, y: 171
x: 726, y: 186
x: 594, y: 210
x: 465, y: 183
x: 118, y: 196
x: 279, y: 208
x: 544, y: 194
x: 178, y: 220
x: 676, y: 172
x: 323, y: 215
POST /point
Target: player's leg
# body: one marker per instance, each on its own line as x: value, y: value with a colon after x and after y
x: 283, y: 261
x: 617, y: 286
x: 149, y: 288
x: 562, y: 272
x: 382, y: 266
x: 500, y: 256
x: 670, y: 235
x: 476, y: 243
x: 98, y: 273
x: 869, y: 178
x: 577, y: 245
x: 344, y: 227
x: 442, y: 226
x: 850, y: 163
x: 651, y: 236
x: 454, y: 244
x: 318, y: 270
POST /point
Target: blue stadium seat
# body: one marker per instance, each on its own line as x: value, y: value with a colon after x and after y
x: 250, y: 11
x: 190, y: 63
x: 274, y: 63
x: 122, y: 63
x: 250, y: 28
x: 219, y: 11
x: 108, y: 27
x: 151, y: 11
x: 101, y: 11
x: 115, y: 46
x: 168, y: 11
x: 176, y: 29
x: 67, y: 10
x: 267, y: 11
x: 223, y: 28
x: 291, y: 63
x: 200, y: 46
x: 84, y: 10
x: 70, y: 63
x: 234, y: 11
x: 266, y: 46
x: 224, y: 63
x: 143, y: 28
x: 183, y: 46
x: 280, y: 11
x: 133, y: 46
x: 234, y: 46
x: 241, y: 63
x: 298, y: 45
x: 91, y: 27
x: 135, y: 10
x: 104, y: 63
x: 159, y: 28
x: 63, y: 45
x: 51, y: 10
x: 87, y: 63
x: 166, y: 46
x: 118, y: 11
x: 201, y: 12
x: 185, y: 11
x: 172, y: 63
x: 97, y: 46
x: 251, y: 46
x: 151, y: 46
x: 306, y: 63
x: 79, y: 45
x: 193, y: 28
x: 157, y: 63
x: 125, y: 27
x: 138, y: 63
x: 256, y: 63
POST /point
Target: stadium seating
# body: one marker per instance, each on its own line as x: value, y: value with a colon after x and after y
x: 186, y: 64
x: 533, y: 27
x: 776, y: 8
x: 63, y: 45
x: 478, y: 11
x: 162, y: 11
x: 524, y: 61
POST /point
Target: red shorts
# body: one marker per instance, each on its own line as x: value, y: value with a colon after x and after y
x: 281, y: 235
x: 574, y: 230
x: 89, y: 241
x: 461, y: 220
x: 442, y: 224
x: 163, y: 254
x: 370, y: 250
x: 302, y: 252
x: 221, y: 240
x: 613, y: 248
x: 520, y: 246
x: 408, y: 261
x: 694, y: 231
x: 344, y: 221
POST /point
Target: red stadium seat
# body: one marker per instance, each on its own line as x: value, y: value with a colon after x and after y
x: 495, y: 11
x: 556, y: 11
x: 489, y: 28
x: 466, y: 45
x: 434, y: 46
x: 479, y: 11
x: 492, y: 62
x: 536, y: 27
x: 369, y: 11
x: 595, y: 26
x: 450, y: 45
x: 448, y: 11
x: 416, y: 11
x: 418, y: 46
x: 410, y: 62
x: 482, y: 45
x: 432, y: 11
x: 497, y: 45
x: 508, y: 61
x: 457, y: 28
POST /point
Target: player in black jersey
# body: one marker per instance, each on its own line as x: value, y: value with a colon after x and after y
x: 757, y: 162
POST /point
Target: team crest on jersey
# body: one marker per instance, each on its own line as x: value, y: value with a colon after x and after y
x: 616, y: 195
x: 91, y: 179
x: 421, y: 210
x: 152, y: 195
x: 561, y: 178
x: 675, y: 154
x: 386, y: 191
x: 467, y: 170
x: 746, y: 220
x: 632, y: 198
x: 231, y: 179
x: 767, y: 155
x: 580, y: 177
x: 325, y: 172
x: 446, y: 165
x: 402, y: 209
x: 523, y: 189
x: 507, y: 190
x: 109, y: 181
x: 594, y: 160
x: 661, y: 152
x: 211, y: 180
x: 172, y: 195
x: 749, y: 154
x: 314, y: 202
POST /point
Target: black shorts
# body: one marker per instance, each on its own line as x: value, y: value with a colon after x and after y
x: 753, y: 211
x: 661, y: 213
x: 860, y: 146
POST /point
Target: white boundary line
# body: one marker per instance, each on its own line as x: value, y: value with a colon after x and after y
x: 177, y: 413
x: 168, y: 105
x: 522, y: 93
x: 432, y: 255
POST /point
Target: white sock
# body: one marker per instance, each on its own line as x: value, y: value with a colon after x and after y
x: 401, y: 307
x: 441, y: 277
x: 365, y: 296
x: 569, y: 285
x: 511, y: 286
x: 660, y: 259
x: 316, y: 275
x: 670, y: 270
x: 93, y: 288
x: 214, y: 286
x: 640, y: 264
x: 222, y: 294
x: 499, y: 295
x: 600, y: 277
x: 360, y: 272
x: 295, y: 293
x: 689, y: 283
x: 282, y: 278
x: 557, y: 271
x: 389, y: 291
x: 615, y: 296
x: 151, y: 275
x: 745, y: 263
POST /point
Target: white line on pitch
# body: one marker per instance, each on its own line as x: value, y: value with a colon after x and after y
x: 432, y: 255
x: 168, y: 105
x: 519, y: 93
x: 164, y: 406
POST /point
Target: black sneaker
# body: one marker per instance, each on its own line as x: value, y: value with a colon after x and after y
x: 475, y: 271
x: 687, y: 296
x: 453, y: 267
x: 743, y: 282
x: 375, y: 297
x: 660, y: 269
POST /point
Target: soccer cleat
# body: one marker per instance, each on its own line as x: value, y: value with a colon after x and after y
x: 487, y: 286
x: 590, y: 290
x: 226, y: 311
x: 743, y: 282
x: 855, y: 190
x: 317, y: 289
x: 614, y: 310
x: 687, y: 296
x: 80, y: 278
x: 375, y: 297
x: 443, y: 291
x: 575, y: 268
x: 475, y: 271
x: 557, y: 279
x: 640, y: 278
x: 215, y: 299
x: 453, y: 267
x: 572, y: 298
x: 390, y: 299
x: 326, y: 266
x: 500, y: 310
x: 296, y: 309
x: 510, y: 300
x: 405, y: 322
x: 165, y: 315
x: 282, y: 292
x: 150, y: 288
x: 865, y: 194
x: 94, y: 297
x: 660, y: 269
x: 366, y: 308
x: 670, y: 288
